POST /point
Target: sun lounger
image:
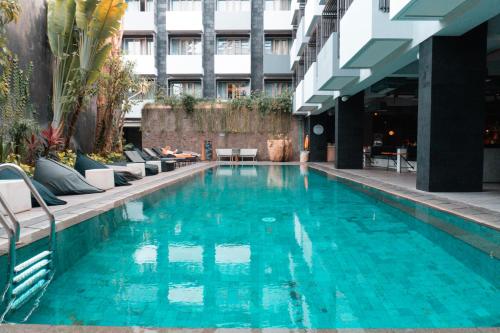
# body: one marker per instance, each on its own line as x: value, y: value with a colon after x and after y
x: 134, y: 157
x: 165, y: 164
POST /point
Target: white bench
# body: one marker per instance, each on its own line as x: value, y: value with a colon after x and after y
x: 16, y: 194
x: 224, y: 153
x: 248, y: 153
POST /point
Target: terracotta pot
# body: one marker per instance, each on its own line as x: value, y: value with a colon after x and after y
x: 275, y: 149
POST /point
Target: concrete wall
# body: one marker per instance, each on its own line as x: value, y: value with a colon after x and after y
x: 160, y: 128
x: 28, y: 39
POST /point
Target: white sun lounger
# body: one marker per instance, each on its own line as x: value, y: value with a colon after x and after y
x: 248, y: 153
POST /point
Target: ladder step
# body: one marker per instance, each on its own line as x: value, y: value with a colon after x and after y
x: 18, y: 302
x: 31, y: 261
x: 30, y: 271
x: 30, y: 282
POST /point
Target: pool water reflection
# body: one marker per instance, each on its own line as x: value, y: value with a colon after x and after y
x: 276, y: 246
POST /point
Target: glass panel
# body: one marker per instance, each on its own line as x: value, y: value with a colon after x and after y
x: 185, y: 5
x: 185, y: 46
x: 277, y: 46
x: 233, y: 46
x: 278, y: 4
x: 192, y: 88
x: 277, y: 88
x: 133, y: 5
x: 138, y: 46
x: 232, y: 89
x: 233, y: 5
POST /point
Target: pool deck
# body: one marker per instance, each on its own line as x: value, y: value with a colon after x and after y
x: 35, y: 225
x: 481, y: 207
x: 100, y: 329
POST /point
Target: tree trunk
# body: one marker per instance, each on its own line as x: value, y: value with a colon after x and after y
x: 72, y: 123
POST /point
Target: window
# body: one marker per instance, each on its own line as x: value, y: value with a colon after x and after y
x: 145, y: 91
x: 278, y: 4
x: 185, y: 5
x: 137, y: 45
x: 177, y: 88
x: 277, y: 45
x: 232, y: 89
x: 185, y: 46
x: 233, y: 5
x: 233, y: 45
x: 140, y: 5
x: 277, y: 88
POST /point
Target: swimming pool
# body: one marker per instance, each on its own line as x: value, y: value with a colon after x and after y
x: 273, y: 246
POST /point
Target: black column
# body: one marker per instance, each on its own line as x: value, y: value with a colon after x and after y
x: 318, y: 142
x: 208, y: 48
x: 349, y: 119
x: 257, y: 45
x: 451, y: 112
x: 161, y: 42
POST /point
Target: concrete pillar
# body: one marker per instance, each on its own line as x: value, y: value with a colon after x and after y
x: 209, y: 48
x: 349, y: 119
x: 451, y: 112
x: 161, y: 42
x: 257, y: 45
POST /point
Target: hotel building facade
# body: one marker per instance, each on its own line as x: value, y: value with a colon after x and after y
x: 380, y: 73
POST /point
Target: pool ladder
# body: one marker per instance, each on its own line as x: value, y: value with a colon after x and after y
x: 27, y: 279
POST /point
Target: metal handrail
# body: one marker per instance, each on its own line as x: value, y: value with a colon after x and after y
x: 11, y: 253
x: 38, y: 198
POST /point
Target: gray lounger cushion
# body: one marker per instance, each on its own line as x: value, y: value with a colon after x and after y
x: 61, y: 179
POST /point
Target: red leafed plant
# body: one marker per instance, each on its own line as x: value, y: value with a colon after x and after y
x: 33, y: 147
x: 52, y: 138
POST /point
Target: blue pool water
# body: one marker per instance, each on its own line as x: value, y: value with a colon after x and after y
x: 274, y: 246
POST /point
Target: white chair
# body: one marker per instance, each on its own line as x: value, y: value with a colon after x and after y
x: 248, y: 153
x: 224, y: 153
x: 101, y: 178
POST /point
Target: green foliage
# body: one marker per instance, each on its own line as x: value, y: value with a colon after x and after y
x: 16, y: 111
x: 188, y: 103
x: 67, y: 157
x: 117, y: 87
x: 9, y: 12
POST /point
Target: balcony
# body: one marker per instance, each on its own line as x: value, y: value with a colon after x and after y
x: 184, y: 21
x: 232, y: 21
x: 331, y: 76
x: 298, y: 44
x: 277, y: 20
x: 300, y: 106
x: 139, y: 22
x: 136, y: 109
x: 232, y: 64
x: 144, y: 64
x: 312, y: 13
x: 368, y: 36
x: 184, y: 64
x: 312, y: 94
x: 424, y: 9
x: 276, y: 64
